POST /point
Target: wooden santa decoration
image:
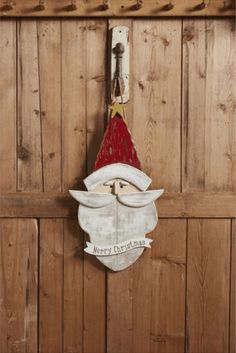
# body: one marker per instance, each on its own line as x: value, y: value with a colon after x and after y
x: 117, y: 211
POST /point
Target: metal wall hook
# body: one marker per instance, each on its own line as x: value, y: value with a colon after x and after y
x: 41, y: 5
x: 203, y: 5
x: 9, y: 5
x: 138, y: 5
x: 106, y: 5
x: 72, y: 6
x: 229, y: 5
x: 119, y: 68
x: 169, y: 6
x: 118, y: 75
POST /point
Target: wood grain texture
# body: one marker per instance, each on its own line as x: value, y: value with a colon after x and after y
x: 118, y: 8
x: 73, y: 103
x: 8, y: 105
x: 168, y: 287
x: 73, y: 288
x: 157, y: 92
x: 30, y: 172
x: 119, y: 291
x: 94, y: 274
x: 51, y: 286
x: 157, y: 323
x: 142, y: 303
x: 18, y: 290
x: 49, y: 56
x: 208, y: 269
x: 170, y: 205
x: 193, y: 110
x: 53, y: 82
x: 208, y: 122
x: 220, y: 127
x: 232, y: 346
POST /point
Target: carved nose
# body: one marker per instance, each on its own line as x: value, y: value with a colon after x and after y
x: 116, y: 188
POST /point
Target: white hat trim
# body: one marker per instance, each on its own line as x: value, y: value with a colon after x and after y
x: 118, y: 170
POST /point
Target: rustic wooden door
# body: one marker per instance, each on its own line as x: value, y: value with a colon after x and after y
x: 180, y: 295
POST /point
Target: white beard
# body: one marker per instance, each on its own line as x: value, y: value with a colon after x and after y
x: 115, y: 223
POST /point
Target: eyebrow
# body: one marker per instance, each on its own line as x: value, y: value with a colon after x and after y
x: 112, y: 182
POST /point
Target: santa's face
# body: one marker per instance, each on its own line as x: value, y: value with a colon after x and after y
x: 117, y: 215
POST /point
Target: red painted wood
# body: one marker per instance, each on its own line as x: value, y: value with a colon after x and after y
x: 117, y: 145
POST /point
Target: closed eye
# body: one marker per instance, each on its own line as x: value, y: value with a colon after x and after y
x: 123, y: 183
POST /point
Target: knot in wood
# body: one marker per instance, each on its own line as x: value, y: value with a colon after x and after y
x: 23, y: 153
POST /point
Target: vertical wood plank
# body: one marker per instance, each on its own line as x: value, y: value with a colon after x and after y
x: 220, y: 159
x: 30, y: 175
x: 157, y: 102
x: 232, y: 348
x: 157, y: 99
x: 209, y: 127
x: 142, y: 303
x: 208, y: 286
x: 8, y: 105
x: 193, y: 110
x: 49, y: 49
x: 73, y: 171
x: 119, y: 311
x: 18, y: 290
x: 51, y: 286
x: 168, y: 287
x: 73, y: 288
x: 73, y: 103
x: 94, y: 272
x: 158, y: 283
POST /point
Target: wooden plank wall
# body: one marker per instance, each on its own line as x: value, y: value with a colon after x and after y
x: 180, y: 295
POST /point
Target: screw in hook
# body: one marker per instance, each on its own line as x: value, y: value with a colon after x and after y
x: 138, y: 5
x: 72, y: 6
x: 170, y: 6
x: 203, y: 5
x: 229, y: 5
x: 106, y: 5
x: 41, y: 5
x: 9, y: 5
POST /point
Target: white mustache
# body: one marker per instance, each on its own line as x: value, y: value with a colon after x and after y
x: 133, y: 199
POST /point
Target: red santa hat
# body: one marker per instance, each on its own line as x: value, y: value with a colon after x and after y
x: 117, y: 158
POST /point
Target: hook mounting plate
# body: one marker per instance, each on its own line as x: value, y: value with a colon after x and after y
x: 120, y: 63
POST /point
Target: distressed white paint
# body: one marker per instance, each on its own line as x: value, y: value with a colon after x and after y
x: 120, y: 34
x: 117, y: 223
x: 119, y: 215
x: 93, y: 199
x: 139, y: 199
